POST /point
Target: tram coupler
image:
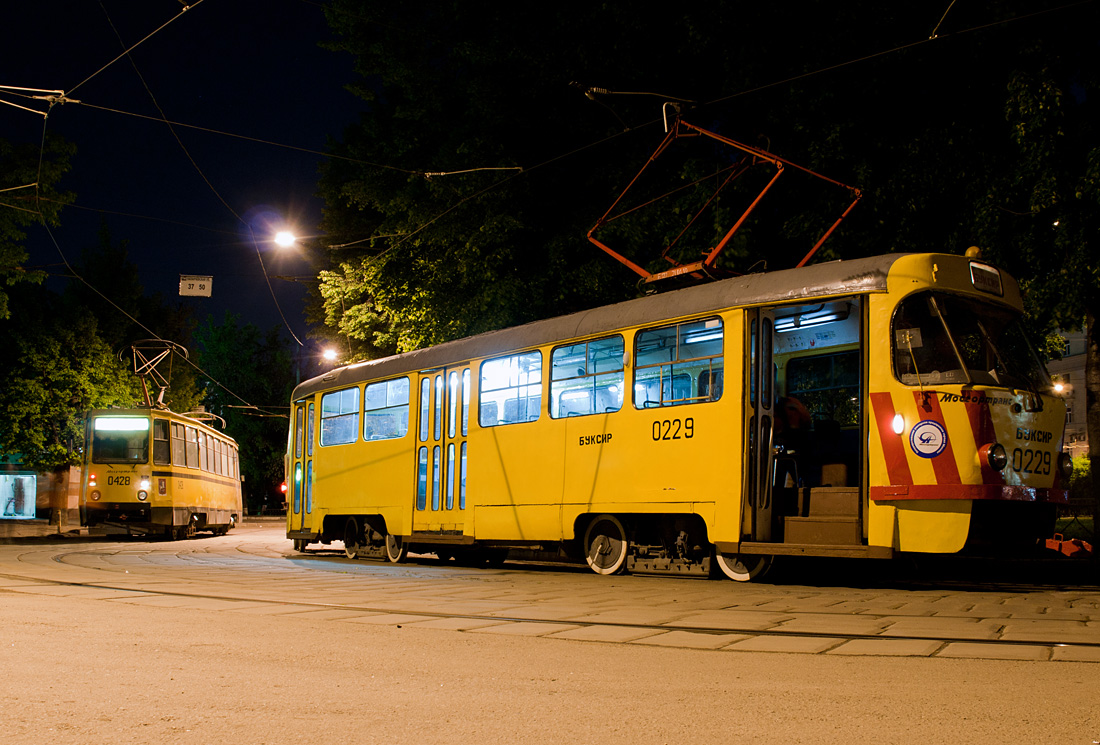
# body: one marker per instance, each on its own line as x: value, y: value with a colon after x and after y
x: 1074, y: 548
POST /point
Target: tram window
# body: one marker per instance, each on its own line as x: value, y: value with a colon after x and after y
x: 462, y: 479
x: 828, y: 386
x: 450, y: 476
x: 438, y: 406
x: 161, y: 448
x: 210, y: 454
x: 191, y: 450
x: 422, y: 478
x: 339, y: 417
x: 225, y: 459
x: 511, y: 389
x: 679, y: 364
x: 204, y: 464
x: 940, y: 339
x: 298, y: 425
x: 465, y: 402
x: 120, y: 440
x: 437, y: 474
x: 309, y: 487
x: 309, y: 432
x: 587, y: 378
x: 425, y: 407
x: 710, y: 383
x: 386, y: 410
x: 452, y: 402
x: 218, y: 457
x: 179, y: 448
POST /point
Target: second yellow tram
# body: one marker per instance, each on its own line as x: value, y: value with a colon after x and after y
x: 152, y: 471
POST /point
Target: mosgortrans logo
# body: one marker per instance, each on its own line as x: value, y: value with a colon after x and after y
x: 928, y: 438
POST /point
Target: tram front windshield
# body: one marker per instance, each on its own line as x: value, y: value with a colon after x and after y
x: 119, y: 439
x: 940, y: 339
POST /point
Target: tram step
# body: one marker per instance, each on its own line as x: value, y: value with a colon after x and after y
x: 829, y: 501
x: 831, y: 531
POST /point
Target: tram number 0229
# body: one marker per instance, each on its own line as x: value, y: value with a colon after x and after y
x: 673, y: 429
x: 1031, y: 461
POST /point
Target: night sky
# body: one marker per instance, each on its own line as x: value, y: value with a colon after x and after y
x: 249, y: 68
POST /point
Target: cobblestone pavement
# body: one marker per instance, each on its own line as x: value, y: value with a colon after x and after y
x: 833, y: 611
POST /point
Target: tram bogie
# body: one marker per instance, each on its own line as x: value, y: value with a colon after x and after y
x: 155, y: 472
x: 852, y: 409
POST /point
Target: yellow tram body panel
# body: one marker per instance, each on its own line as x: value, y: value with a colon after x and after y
x: 527, y: 435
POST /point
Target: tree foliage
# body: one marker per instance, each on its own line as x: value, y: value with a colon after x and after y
x: 28, y: 175
x: 57, y: 366
x: 420, y: 257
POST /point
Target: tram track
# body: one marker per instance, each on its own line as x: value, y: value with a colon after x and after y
x: 639, y: 631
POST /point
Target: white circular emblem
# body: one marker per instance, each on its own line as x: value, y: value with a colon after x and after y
x: 928, y: 438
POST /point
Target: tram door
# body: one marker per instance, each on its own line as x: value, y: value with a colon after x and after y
x: 444, y: 423
x: 756, y: 503
x: 301, y: 466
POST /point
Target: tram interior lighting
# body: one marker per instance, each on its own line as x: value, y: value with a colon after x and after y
x: 816, y: 317
x: 708, y: 336
x: 121, y: 424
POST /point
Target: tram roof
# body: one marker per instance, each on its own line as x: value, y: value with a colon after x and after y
x: 819, y: 280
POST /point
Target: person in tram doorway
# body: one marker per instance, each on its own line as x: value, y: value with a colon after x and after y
x: 792, y: 441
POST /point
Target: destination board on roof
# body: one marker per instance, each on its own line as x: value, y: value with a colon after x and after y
x: 196, y: 285
x: 986, y: 278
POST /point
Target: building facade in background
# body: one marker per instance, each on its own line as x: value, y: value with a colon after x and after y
x: 1069, y: 372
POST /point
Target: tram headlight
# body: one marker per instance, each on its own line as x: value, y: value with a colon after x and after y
x: 994, y: 455
x: 143, y: 495
x: 898, y: 424
x: 96, y: 495
x: 144, y: 485
x: 1065, y: 465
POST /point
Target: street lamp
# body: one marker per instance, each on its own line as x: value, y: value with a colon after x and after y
x: 284, y: 239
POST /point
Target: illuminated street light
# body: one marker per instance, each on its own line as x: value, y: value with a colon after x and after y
x: 329, y: 354
x: 284, y: 238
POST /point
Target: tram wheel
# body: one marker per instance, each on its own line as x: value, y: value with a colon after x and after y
x: 300, y: 545
x: 352, y: 547
x: 743, y: 567
x: 396, y: 551
x: 605, y: 545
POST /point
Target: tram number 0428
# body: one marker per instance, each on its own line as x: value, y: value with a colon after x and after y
x: 118, y: 481
x: 673, y: 429
x: 1031, y: 461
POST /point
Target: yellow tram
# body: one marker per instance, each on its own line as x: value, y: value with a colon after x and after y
x: 153, y: 471
x: 853, y: 408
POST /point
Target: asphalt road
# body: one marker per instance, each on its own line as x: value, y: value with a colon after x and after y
x: 239, y: 639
